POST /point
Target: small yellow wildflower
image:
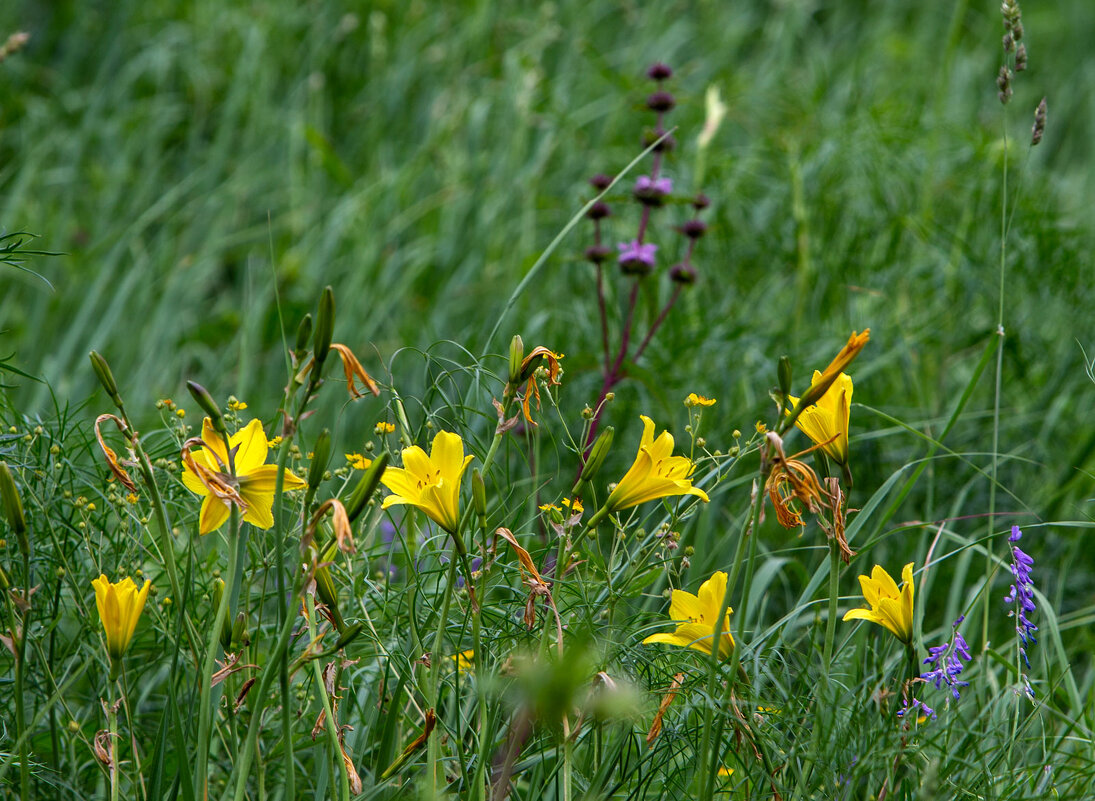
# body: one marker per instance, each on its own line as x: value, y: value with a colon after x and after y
x: 574, y: 506
x: 655, y: 473
x: 131, y: 498
x: 761, y: 427
x: 180, y: 413
x: 235, y: 405
x: 889, y: 606
x: 273, y: 443
x: 383, y: 428
x: 698, y: 400
x: 358, y: 462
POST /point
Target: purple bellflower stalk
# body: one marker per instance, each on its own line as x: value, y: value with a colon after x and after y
x: 1022, y: 596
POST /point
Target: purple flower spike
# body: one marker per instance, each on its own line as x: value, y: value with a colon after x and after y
x: 1022, y: 596
x: 947, y: 661
x: 636, y: 257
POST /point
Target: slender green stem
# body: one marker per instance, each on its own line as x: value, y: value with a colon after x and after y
x: 991, y: 518
x: 433, y: 750
x: 329, y: 716
x: 259, y: 695
x: 21, y: 722
x: 205, y: 705
x: 112, y: 727
x: 708, y: 763
x: 834, y: 596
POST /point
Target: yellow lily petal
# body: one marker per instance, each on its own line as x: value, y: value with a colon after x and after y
x: 250, y: 446
x: 655, y: 473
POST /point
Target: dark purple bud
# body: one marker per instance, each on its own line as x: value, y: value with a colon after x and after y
x: 694, y: 229
x: 598, y: 254
x: 661, y: 101
x: 659, y: 71
x: 683, y: 273
x: 600, y: 182
x: 599, y: 210
x: 701, y: 202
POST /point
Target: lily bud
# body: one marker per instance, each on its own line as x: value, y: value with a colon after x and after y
x: 598, y: 453
x: 321, y: 455
x: 105, y: 376
x: 348, y: 635
x: 304, y: 333
x: 226, y: 627
x: 325, y: 325
x: 209, y: 406
x: 13, y: 507
x: 479, y: 495
x: 516, y: 357
x: 784, y: 372
x: 325, y: 586
x: 240, y: 637
x: 366, y: 487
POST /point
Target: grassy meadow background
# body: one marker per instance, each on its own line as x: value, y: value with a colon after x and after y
x: 200, y: 170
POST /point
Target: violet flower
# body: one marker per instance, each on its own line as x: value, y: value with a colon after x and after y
x: 947, y: 661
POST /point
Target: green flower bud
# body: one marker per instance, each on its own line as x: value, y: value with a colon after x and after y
x: 13, y: 507
x: 215, y: 604
x: 304, y: 333
x: 106, y: 377
x: 516, y: 356
x: 321, y: 455
x: 209, y: 406
x: 325, y: 325
x: 598, y: 453
x: 784, y: 373
x: 479, y: 494
x: 240, y: 637
x: 365, y: 488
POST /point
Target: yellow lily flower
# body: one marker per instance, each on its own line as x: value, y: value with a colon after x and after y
x: 697, y: 616
x: 205, y: 472
x: 656, y: 473
x: 889, y: 607
x: 432, y: 483
x: 826, y: 422
x: 120, y: 607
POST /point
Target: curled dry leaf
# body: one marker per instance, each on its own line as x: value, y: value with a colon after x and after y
x: 667, y: 699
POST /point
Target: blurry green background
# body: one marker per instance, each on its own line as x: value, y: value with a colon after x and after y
x: 186, y: 158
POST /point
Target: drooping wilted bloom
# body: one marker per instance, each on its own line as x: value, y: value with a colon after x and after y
x: 890, y: 607
x: 696, y: 617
